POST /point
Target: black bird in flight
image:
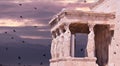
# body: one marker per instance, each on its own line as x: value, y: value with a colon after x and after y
x: 12, y: 37
x: 44, y: 55
x: 41, y: 63
x: 6, y: 48
x: 20, y: 4
x: 14, y: 30
x: 23, y: 41
x: 35, y: 26
x: 5, y: 32
x: 19, y: 57
x: 35, y: 8
x: 21, y: 16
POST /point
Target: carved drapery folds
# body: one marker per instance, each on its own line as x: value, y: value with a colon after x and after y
x: 53, y: 48
x: 61, y: 43
x: 66, y: 43
x: 91, y: 42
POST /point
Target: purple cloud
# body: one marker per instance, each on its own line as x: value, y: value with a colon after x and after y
x: 43, y: 12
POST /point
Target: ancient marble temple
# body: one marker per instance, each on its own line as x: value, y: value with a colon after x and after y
x: 87, y: 36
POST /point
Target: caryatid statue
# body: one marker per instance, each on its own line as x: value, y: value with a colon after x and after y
x: 91, y: 42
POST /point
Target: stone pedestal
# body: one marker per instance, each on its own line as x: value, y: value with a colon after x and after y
x: 73, y: 62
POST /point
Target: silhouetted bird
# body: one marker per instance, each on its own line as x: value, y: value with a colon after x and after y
x: 6, y: 49
x: 41, y: 63
x: 23, y: 41
x: 81, y: 49
x: 19, y: 57
x: 35, y: 26
x: 5, y: 32
x: 20, y: 4
x: 12, y: 37
x: 44, y: 55
x: 14, y: 30
x: 35, y: 8
x: 21, y: 16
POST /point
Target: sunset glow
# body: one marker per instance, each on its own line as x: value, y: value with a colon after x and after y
x: 83, y: 8
x: 17, y: 23
x: 35, y: 37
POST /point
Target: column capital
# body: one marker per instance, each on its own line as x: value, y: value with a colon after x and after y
x: 91, y: 27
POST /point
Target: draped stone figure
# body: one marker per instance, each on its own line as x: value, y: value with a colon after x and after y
x: 91, y: 43
x: 66, y: 43
x: 60, y: 46
x: 53, y: 48
x: 57, y: 48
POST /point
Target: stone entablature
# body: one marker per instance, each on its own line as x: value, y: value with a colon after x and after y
x: 67, y: 16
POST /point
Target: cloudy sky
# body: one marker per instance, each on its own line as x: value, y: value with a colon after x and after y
x: 24, y: 31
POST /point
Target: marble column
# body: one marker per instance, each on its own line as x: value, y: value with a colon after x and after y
x: 61, y: 38
x: 53, y: 47
x: 91, y: 42
x: 72, y: 45
x: 57, y: 46
x: 67, y: 36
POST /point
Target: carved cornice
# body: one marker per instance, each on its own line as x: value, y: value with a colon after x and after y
x: 90, y: 15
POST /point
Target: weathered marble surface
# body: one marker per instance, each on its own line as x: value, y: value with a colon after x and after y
x: 101, y: 43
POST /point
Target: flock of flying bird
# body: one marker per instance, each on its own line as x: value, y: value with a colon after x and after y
x: 19, y: 57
